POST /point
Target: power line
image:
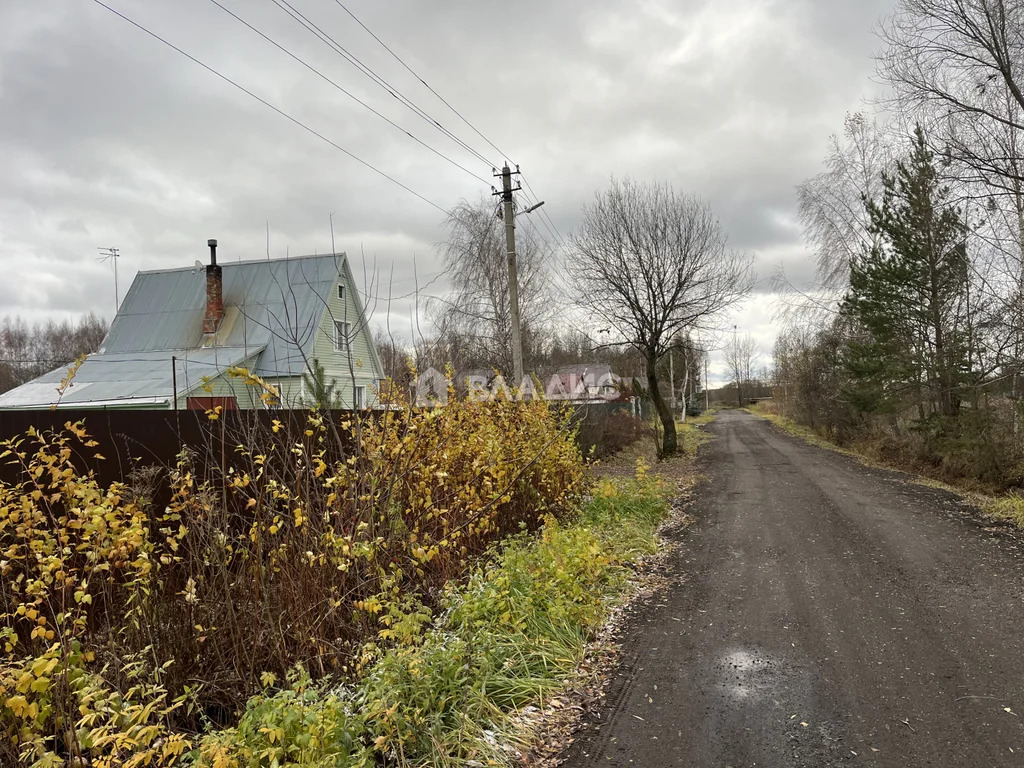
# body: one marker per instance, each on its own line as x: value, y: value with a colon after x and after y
x: 267, y: 104
x: 325, y: 38
x: 557, y: 280
x: 546, y: 219
x: 545, y: 216
x: 417, y: 76
x: 348, y: 93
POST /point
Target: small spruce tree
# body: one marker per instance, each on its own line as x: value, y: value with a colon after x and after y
x: 322, y: 392
x: 908, y: 295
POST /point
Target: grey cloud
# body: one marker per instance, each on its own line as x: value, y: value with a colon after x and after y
x: 110, y: 138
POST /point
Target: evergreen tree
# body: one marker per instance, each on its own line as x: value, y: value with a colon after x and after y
x: 321, y: 391
x: 908, y: 295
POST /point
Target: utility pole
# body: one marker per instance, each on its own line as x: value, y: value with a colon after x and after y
x: 111, y: 255
x: 509, y: 214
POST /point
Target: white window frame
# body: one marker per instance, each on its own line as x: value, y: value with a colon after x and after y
x: 359, y: 397
x: 342, y: 330
x: 341, y: 291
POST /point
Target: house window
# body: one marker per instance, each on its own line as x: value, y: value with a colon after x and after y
x: 341, y: 292
x: 358, y: 397
x: 341, y: 332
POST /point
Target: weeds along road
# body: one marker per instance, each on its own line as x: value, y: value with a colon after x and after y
x: 823, y: 613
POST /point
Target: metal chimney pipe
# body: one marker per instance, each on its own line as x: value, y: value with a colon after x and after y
x: 213, y: 251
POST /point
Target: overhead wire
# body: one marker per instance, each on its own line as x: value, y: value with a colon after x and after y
x: 348, y: 93
x: 284, y: 5
x: 269, y: 105
x: 418, y: 77
x: 549, y: 223
x: 367, y: 71
x: 546, y: 219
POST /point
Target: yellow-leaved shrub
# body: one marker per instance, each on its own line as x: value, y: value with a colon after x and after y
x: 138, y: 611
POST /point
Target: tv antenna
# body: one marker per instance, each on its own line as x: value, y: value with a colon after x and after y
x: 112, y: 255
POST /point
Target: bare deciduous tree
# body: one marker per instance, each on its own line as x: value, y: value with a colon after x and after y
x: 831, y: 204
x: 960, y: 65
x: 740, y: 356
x: 653, y: 263
x: 476, y: 311
x: 394, y: 356
x: 953, y: 54
x: 30, y: 351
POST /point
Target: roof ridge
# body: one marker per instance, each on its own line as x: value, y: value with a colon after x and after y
x: 227, y: 264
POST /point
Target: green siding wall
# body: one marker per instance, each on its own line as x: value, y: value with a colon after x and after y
x: 363, y: 371
x: 355, y: 368
x: 225, y: 386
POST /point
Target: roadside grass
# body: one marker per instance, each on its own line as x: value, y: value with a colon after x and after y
x: 446, y: 690
x: 690, y: 435
x: 806, y: 434
x: 1008, y: 507
x: 705, y: 418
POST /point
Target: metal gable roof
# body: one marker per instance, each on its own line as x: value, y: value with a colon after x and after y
x: 127, y: 378
x: 280, y: 303
x: 273, y: 309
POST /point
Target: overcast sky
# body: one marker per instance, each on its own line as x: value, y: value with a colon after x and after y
x: 110, y: 138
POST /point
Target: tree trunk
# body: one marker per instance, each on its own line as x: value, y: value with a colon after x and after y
x: 668, y: 422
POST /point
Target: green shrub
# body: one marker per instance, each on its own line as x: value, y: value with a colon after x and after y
x: 303, y: 725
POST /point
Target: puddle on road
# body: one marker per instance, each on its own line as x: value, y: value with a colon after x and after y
x: 769, y: 709
x: 746, y: 674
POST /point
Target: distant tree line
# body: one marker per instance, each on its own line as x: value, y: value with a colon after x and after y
x: 913, y: 342
x: 28, y: 350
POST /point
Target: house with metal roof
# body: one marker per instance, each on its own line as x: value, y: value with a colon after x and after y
x: 249, y: 334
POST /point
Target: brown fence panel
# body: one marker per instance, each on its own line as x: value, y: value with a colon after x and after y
x: 130, y: 439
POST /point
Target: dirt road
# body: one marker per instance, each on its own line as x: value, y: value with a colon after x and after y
x: 824, y: 614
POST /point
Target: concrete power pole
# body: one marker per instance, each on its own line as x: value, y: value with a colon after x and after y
x: 513, y: 272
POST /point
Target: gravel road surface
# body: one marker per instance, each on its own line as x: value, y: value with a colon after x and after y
x: 823, y: 613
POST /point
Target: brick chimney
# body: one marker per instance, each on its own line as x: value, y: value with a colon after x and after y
x: 214, y: 292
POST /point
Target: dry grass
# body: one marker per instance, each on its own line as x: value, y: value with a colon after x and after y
x: 705, y: 418
x: 1009, y: 508
x: 791, y: 427
x: 677, y: 470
